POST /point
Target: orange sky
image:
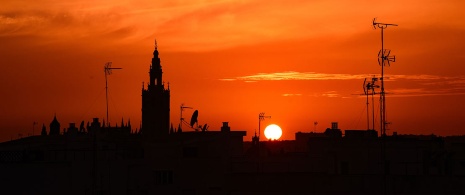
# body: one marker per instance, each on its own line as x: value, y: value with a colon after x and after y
x: 298, y: 61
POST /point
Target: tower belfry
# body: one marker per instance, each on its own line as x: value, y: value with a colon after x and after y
x: 155, y: 101
x: 156, y: 73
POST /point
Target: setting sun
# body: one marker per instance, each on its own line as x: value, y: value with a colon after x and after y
x: 273, y: 132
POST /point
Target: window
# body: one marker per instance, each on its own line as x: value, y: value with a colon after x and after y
x: 163, y: 177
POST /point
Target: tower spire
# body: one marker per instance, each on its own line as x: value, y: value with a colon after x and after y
x: 155, y: 101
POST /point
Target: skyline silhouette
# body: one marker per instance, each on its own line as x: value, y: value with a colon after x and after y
x: 302, y: 68
x: 97, y: 158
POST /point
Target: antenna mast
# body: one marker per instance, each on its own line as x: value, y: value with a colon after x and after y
x: 261, y: 117
x: 182, y: 108
x: 373, y: 86
x: 366, y: 88
x: 107, y: 68
x: 383, y: 56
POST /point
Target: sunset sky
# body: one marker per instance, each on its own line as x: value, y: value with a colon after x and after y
x: 298, y: 61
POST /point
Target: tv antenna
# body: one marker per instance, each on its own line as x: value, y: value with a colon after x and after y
x: 383, y: 57
x: 365, y: 91
x: 108, y: 70
x: 182, y: 107
x: 373, y: 86
x: 261, y: 117
x: 369, y: 89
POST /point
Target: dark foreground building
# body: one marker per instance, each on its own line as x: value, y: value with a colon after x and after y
x: 94, y: 159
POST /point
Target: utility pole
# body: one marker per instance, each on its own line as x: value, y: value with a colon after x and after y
x: 383, y: 56
x: 108, y: 69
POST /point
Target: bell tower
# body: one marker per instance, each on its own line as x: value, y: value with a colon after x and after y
x: 155, y: 101
x: 156, y: 72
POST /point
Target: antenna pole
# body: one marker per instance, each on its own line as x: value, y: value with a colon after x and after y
x: 261, y: 117
x: 373, y: 86
x: 368, y: 112
x: 366, y: 88
x: 107, y: 68
x: 181, y: 119
x: 383, y: 97
x: 384, y: 57
x: 106, y: 93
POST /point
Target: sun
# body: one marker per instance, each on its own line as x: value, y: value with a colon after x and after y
x: 273, y: 132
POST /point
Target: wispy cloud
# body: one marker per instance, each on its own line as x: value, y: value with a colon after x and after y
x: 291, y: 94
x: 214, y: 24
x: 293, y: 75
x: 415, y: 92
x: 421, y: 84
x: 331, y: 94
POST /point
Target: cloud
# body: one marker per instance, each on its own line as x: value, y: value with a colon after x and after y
x: 430, y: 85
x: 303, y: 76
x: 330, y: 94
x: 416, y: 92
x: 291, y: 94
x: 204, y: 25
x: 292, y: 75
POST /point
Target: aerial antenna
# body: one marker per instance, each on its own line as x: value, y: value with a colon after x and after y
x: 365, y: 91
x: 383, y: 57
x: 261, y: 117
x: 373, y: 86
x: 182, y: 107
x: 369, y: 89
x: 108, y: 70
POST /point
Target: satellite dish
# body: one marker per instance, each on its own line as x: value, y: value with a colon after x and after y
x: 194, y: 118
x: 204, y: 128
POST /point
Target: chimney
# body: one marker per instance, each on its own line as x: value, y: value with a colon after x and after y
x: 225, y: 127
x: 334, y: 125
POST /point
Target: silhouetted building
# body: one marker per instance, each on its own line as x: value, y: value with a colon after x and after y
x: 155, y: 102
x: 44, y: 130
x: 72, y: 130
x: 54, y: 127
x: 334, y: 131
x: 100, y: 159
